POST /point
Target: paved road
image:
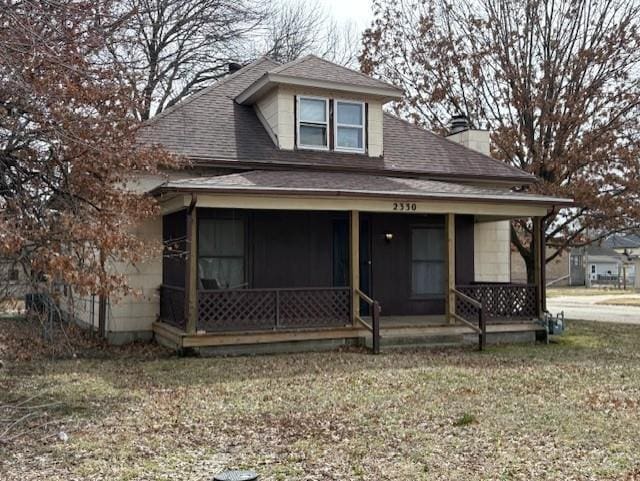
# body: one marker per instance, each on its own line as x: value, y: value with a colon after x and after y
x: 587, y: 308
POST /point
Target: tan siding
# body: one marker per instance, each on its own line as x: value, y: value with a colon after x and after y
x: 286, y: 121
x: 492, y: 250
x: 268, y: 110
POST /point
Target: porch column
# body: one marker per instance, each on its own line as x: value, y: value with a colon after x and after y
x: 354, y: 245
x: 539, y: 254
x: 450, y: 257
x: 191, y: 269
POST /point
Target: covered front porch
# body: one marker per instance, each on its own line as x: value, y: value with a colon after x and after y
x: 247, y: 270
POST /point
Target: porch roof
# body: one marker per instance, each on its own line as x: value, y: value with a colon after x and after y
x: 348, y: 184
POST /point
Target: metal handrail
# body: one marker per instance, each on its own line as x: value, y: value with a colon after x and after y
x: 481, y: 329
x: 374, y: 328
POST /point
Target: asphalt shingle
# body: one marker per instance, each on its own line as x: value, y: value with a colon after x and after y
x: 211, y: 128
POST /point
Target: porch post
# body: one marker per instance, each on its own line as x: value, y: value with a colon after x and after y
x: 539, y: 254
x: 450, y: 297
x: 354, y: 245
x: 191, y: 268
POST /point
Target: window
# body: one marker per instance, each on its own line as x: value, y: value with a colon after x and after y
x: 349, y: 126
x: 14, y: 275
x: 593, y: 269
x: 221, y: 253
x: 427, y: 261
x: 313, y: 121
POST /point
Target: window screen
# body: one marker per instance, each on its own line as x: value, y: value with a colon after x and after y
x: 312, y: 122
x: 349, y: 126
x: 221, y: 262
x: 427, y: 261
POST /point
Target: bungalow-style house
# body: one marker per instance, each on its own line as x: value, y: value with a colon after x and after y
x: 310, y: 215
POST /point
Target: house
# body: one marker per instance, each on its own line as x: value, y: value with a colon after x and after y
x: 310, y: 215
x: 598, y: 265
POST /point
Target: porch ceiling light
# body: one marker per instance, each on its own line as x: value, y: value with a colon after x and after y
x: 388, y: 236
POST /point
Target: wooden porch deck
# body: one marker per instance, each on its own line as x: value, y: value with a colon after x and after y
x: 390, y: 327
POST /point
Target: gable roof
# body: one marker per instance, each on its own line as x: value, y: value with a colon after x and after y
x: 210, y: 128
x: 316, y: 68
x: 622, y: 241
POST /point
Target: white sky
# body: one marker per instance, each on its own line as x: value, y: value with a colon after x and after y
x: 358, y: 11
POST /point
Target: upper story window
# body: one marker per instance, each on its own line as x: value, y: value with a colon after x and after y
x: 349, y: 126
x: 313, y: 123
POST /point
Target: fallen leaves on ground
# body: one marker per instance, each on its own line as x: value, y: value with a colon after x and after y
x: 564, y: 411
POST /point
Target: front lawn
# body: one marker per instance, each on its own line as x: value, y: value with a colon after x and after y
x: 566, y: 411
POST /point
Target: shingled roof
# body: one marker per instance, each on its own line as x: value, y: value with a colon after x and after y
x: 315, y: 68
x: 211, y: 128
x: 341, y: 183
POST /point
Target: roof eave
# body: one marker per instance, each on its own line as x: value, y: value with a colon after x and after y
x: 251, y: 165
x: 543, y: 202
x: 270, y: 80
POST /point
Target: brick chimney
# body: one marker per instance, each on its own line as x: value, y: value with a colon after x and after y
x: 461, y: 132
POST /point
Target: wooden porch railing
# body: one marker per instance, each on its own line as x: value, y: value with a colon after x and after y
x: 466, y: 305
x: 374, y: 328
x: 222, y: 310
x: 172, y: 306
x: 502, y: 301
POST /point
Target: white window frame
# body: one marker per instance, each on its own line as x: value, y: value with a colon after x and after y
x: 336, y: 125
x: 320, y: 124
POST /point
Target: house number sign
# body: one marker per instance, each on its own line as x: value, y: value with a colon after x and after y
x: 406, y: 206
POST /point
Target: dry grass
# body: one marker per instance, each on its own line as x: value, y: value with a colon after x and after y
x: 583, y: 291
x: 623, y: 301
x: 567, y: 411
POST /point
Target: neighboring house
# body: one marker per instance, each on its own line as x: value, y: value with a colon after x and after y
x: 598, y: 265
x: 628, y: 244
x: 14, y: 282
x: 305, y: 201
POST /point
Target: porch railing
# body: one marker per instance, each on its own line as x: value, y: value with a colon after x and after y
x: 374, y: 327
x: 272, y: 309
x: 172, y: 306
x: 500, y: 301
x: 470, y: 312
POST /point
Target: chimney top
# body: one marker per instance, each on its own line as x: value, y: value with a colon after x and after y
x: 458, y: 123
x: 234, y: 67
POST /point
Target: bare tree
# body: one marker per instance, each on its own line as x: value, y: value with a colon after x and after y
x: 173, y: 48
x: 67, y: 145
x: 557, y: 82
x: 296, y: 28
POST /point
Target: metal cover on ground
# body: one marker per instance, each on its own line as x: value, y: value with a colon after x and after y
x: 236, y: 476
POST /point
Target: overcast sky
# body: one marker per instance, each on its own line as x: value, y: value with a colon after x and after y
x: 358, y: 11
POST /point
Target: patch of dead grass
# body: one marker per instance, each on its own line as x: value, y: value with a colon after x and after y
x: 566, y: 411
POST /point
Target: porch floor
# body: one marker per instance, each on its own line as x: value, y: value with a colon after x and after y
x: 390, y: 327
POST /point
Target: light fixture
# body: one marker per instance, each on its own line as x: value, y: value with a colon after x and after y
x: 388, y: 236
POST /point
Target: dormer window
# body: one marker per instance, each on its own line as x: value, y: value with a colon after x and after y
x: 313, y: 123
x: 349, y: 126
